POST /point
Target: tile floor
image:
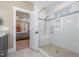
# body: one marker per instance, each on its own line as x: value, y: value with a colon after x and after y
x: 56, y: 51
x: 26, y: 53
x: 51, y: 49
x: 22, y: 44
x: 23, y: 50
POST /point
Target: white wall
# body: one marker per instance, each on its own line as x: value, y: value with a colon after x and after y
x: 43, y: 29
x: 68, y: 36
x: 34, y: 29
x: 43, y: 33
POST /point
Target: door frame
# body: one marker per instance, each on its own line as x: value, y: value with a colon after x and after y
x: 14, y: 23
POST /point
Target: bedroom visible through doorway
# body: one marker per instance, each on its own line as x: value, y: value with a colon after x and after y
x: 22, y: 30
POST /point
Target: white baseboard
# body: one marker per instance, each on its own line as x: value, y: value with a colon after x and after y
x: 43, y: 53
x: 11, y: 50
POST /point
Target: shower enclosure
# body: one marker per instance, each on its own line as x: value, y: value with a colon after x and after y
x: 58, y: 36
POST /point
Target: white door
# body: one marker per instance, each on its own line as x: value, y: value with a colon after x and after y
x: 34, y: 30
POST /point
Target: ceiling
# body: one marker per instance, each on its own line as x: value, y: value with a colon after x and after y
x: 50, y: 4
x: 46, y: 4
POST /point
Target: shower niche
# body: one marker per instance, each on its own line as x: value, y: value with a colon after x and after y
x: 58, y: 24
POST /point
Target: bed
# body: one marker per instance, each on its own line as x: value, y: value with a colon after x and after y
x: 22, y: 35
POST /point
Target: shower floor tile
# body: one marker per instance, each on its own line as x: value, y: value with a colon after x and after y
x: 56, y: 51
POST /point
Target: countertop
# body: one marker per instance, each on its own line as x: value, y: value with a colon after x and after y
x: 2, y: 33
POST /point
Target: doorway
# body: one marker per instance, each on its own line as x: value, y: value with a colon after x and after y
x: 22, y: 30
x: 33, y: 26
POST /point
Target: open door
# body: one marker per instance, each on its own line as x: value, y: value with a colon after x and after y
x: 34, y: 29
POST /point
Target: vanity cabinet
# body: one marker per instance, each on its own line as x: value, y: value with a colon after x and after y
x: 3, y: 45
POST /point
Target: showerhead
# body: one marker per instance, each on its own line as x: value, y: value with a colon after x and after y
x: 42, y: 9
x: 46, y: 17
